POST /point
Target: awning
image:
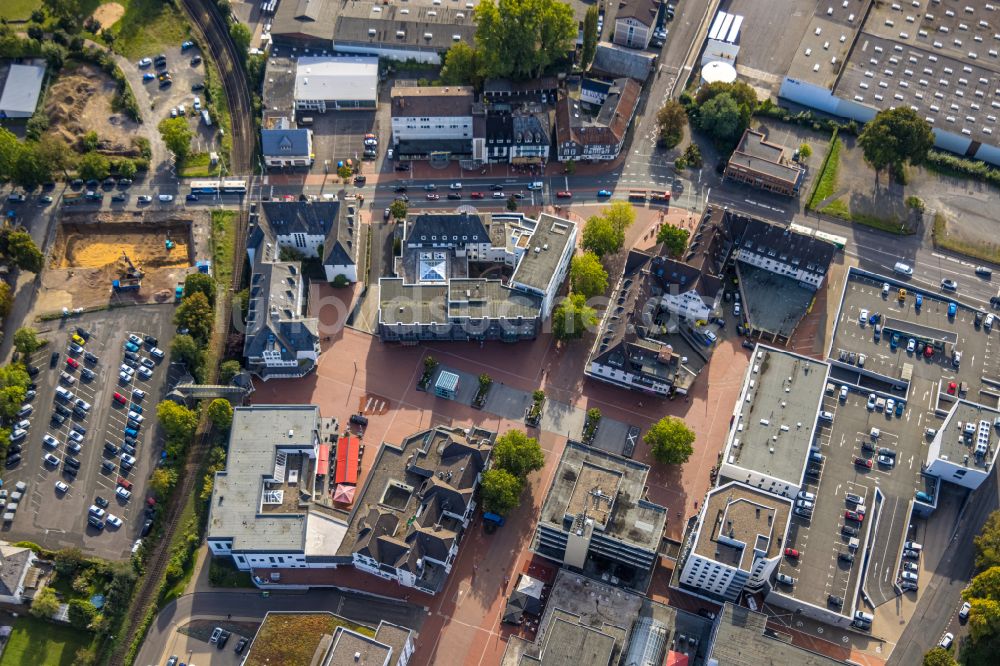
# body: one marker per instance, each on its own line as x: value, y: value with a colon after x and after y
x: 323, y: 460
x: 344, y: 494
x: 347, y: 459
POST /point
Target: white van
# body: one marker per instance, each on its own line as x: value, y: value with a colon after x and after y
x: 903, y: 269
x: 537, y: 185
x: 913, y: 545
x: 862, y: 618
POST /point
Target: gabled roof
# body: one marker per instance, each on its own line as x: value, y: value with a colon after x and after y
x: 435, y: 228
x: 13, y: 560
x: 610, y: 124
x: 274, y: 321
x: 643, y: 11
x: 284, y: 142
x: 310, y: 218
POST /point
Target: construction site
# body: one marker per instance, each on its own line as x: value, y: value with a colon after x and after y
x: 109, y: 257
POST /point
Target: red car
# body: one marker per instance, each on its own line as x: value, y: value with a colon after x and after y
x: 952, y: 387
x: 863, y: 462
x: 124, y: 483
x: 791, y: 552
x: 564, y: 194
x: 477, y: 195
x: 73, y: 363
x: 119, y: 398
x: 433, y: 197
x: 928, y: 351
x: 854, y: 515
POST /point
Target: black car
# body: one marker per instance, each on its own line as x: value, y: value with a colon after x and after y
x: 91, y: 358
x: 82, y: 332
x: 124, y: 182
x: 13, y: 460
x: 76, y: 183
x: 849, y: 531
x: 402, y: 166
x: 79, y: 428
x: 223, y: 638
x: 360, y: 180
x: 146, y: 526
x: 240, y: 645
x: 62, y: 410
x: 846, y: 557
x: 33, y: 370
x: 53, y: 359
x: 496, y: 188
x: 72, y: 462
x: 92, y: 183
x: 198, y: 86
x: 108, y: 466
x: 191, y: 197
x: 359, y: 419
x: 518, y: 195
x: 150, y: 341
x: 111, y: 448
x: 87, y: 374
x: 101, y: 502
x: 834, y: 600
x: 109, y: 183
x: 119, y: 197
x: 70, y: 471
x: 166, y: 83
x: 195, y: 60
x: 399, y: 188
x: 454, y: 195
x: 14, y: 448
x: 80, y: 413
x: 95, y: 522
x: 58, y: 419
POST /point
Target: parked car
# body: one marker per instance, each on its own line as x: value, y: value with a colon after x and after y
x: 785, y: 579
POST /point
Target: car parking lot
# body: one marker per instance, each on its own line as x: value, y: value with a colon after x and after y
x: 66, y: 441
x: 340, y: 135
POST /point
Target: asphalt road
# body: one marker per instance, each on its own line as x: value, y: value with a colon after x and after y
x: 251, y: 605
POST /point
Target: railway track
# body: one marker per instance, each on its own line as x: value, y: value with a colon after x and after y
x: 213, y: 31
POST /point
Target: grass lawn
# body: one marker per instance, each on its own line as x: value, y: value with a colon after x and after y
x: 199, y: 166
x: 41, y: 643
x: 826, y: 183
x: 18, y: 10
x: 293, y: 638
x: 945, y: 239
x: 223, y: 244
x: 148, y: 27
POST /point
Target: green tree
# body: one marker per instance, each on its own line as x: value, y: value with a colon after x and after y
x: 30, y: 170
x: 220, y: 412
x: 10, y: 149
x: 202, y: 283
x: 127, y: 168
x: 589, y: 37
x: 939, y: 657
x: 344, y: 172
x: 517, y: 453
x: 674, y: 239
x: 89, y: 142
x: 53, y: 150
x: 196, y: 315
x: 241, y: 36
x: 398, y: 209
x: 62, y: 9
x: 599, y: 236
x: 45, y: 603
x: 185, y: 350
x: 743, y: 94
x: 68, y: 560
x: 512, y: 203
x: 721, y: 119
x: 984, y: 618
x: 17, y: 244
x: 501, y: 491
x: 179, y: 423
x: 462, y: 66
x: 520, y: 39
x: 805, y: 151
x: 6, y: 299
x: 587, y: 275
x: 671, y: 120
x: 81, y: 613
x: 895, y: 137
x: 162, y: 481
x: 14, y: 382
x: 93, y: 165
x: 670, y: 441
x: 621, y: 215
x: 572, y: 317
x: 692, y: 154
x: 26, y: 341
x: 988, y: 543
x: 177, y: 136
x: 228, y: 370
x: 985, y: 585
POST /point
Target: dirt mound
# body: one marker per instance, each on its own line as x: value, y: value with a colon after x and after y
x: 80, y: 101
x: 108, y: 14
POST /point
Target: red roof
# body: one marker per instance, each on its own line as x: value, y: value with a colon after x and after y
x: 347, y: 459
x: 323, y: 460
x: 675, y: 659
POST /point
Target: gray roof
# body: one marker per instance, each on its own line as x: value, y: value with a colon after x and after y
x: 572, y: 644
x: 304, y: 21
x: 754, y: 235
x: 613, y: 60
x: 21, y: 88
x: 953, y: 444
x: 409, y: 27
x: 546, y: 247
x: 739, y: 513
x: 274, y: 318
x: 429, y: 229
x: 285, y: 142
x: 236, y: 511
x: 350, y: 648
x: 278, y: 93
x: 416, y: 101
x: 13, y: 561
x: 757, y: 154
x: 617, y: 509
x: 310, y: 218
x: 399, y: 514
x: 401, y: 303
x: 336, y: 78
x: 741, y: 638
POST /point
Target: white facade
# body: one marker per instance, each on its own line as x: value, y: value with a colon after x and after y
x: 719, y: 51
x: 389, y: 52
x: 772, y: 263
x: 306, y: 244
x: 438, y: 128
x: 689, y: 305
x: 629, y: 380
x: 349, y: 271
x: 632, y: 33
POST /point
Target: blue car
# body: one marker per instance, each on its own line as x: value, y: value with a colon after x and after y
x: 132, y: 347
x: 191, y: 197
x: 148, y: 76
x: 186, y: 45
x: 919, y: 302
x: 131, y: 432
x: 900, y: 406
x: 604, y: 193
x: 924, y: 497
x: 952, y: 309
x: 894, y: 341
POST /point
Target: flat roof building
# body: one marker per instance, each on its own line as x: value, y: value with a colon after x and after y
x: 418, y: 32
x: 428, y: 120
x: 964, y: 449
x: 775, y: 421
x: 741, y: 638
x: 764, y: 165
x: 327, y: 83
x: 595, y: 518
x: 22, y: 85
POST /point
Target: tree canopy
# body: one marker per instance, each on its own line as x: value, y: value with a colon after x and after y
x: 587, y: 275
x: 572, y: 317
x: 674, y: 239
x: 939, y: 657
x: 517, y: 453
x: 179, y: 423
x: 670, y: 440
x: 220, y: 413
x: 589, y: 37
x: 501, y: 491
x: 14, y: 382
x: 228, y: 370
x: 17, y: 245
x: 195, y: 314
x: 988, y: 543
x: 93, y: 165
x: 162, y: 481
x: 185, y: 350
x: 398, y: 209
x: 45, y: 604
x: 895, y: 137
x: 462, y: 66
x: 26, y: 341
x: 720, y: 118
x: 200, y: 283
x: 671, y: 120
x: 521, y: 39
x: 605, y: 233
x: 176, y: 135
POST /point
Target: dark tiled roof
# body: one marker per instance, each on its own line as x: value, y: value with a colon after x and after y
x: 611, y: 123
x: 764, y: 236
x: 284, y: 142
x: 643, y: 11
x: 423, y: 228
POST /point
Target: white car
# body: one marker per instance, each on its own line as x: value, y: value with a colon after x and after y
x: 145, y: 198
x: 135, y: 339
x: 455, y: 186
x: 145, y: 62
x: 138, y: 394
x: 136, y: 546
x: 946, y: 640
x: 50, y: 460
x: 18, y: 433
x: 890, y: 405
x: 23, y: 424
x: 61, y: 487
x: 83, y: 404
x: 197, y: 103
x: 156, y: 353
x: 863, y: 317
x: 165, y: 198
x: 904, y: 269
x: 911, y: 344
x: 136, y: 416
x: 127, y: 460
x: 127, y: 369
x: 113, y: 520
x: 885, y: 289
x: 75, y: 436
x: 963, y: 613
x: 145, y: 372
x: 124, y: 494
x: 51, y: 441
